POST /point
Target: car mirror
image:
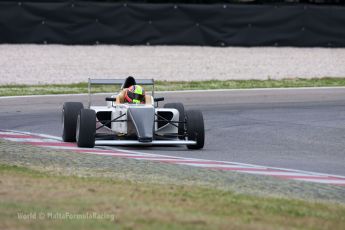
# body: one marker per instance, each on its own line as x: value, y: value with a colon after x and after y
x: 157, y: 99
x: 110, y: 99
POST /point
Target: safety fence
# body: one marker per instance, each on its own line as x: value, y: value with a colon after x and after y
x: 91, y: 22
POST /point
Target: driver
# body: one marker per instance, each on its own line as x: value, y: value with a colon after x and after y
x: 134, y: 94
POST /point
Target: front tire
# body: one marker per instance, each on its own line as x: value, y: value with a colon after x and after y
x: 195, y: 128
x: 180, y: 108
x: 86, y: 128
x: 70, y: 112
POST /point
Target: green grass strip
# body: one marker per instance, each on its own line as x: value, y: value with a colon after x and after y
x: 30, y: 200
x: 16, y: 90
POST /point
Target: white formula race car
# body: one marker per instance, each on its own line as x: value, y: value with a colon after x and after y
x: 131, y: 124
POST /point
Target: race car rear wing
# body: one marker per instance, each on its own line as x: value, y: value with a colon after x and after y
x: 119, y: 81
x: 93, y: 81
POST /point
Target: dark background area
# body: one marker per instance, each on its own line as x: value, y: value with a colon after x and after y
x: 198, y: 1
x: 151, y: 22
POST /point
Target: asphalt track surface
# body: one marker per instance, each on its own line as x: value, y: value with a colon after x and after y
x: 300, y: 129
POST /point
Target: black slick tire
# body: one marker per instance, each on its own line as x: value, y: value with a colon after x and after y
x: 70, y: 112
x: 86, y: 128
x: 195, y: 128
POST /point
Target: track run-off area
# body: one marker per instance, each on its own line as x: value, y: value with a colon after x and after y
x: 287, y: 133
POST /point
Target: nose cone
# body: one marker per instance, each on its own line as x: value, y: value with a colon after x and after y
x: 142, y: 118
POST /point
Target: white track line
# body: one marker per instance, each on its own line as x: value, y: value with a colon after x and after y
x: 31, y: 140
x: 323, y: 181
x: 268, y: 173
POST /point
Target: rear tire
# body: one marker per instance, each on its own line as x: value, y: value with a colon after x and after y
x: 70, y: 112
x: 195, y: 128
x: 180, y: 108
x: 86, y: 128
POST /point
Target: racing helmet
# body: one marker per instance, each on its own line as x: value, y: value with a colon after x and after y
x: 135, y: 94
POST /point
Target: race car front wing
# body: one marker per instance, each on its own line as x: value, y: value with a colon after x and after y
x: 135, y: 142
